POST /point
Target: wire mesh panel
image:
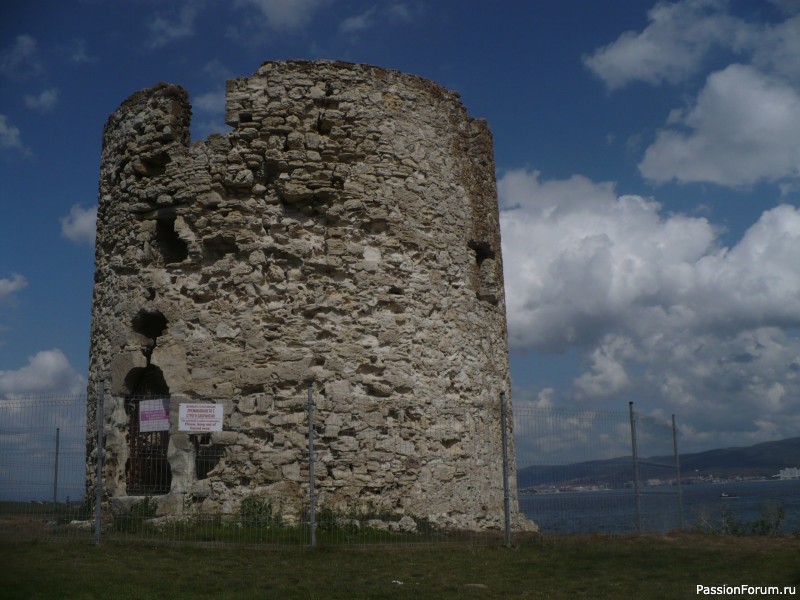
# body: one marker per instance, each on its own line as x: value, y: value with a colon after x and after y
x: 660, y: 499
x: 574, y: 469
x: 375, y: 479
x: 406, y: 480
x: 43, y: 467
x: 582, y: 471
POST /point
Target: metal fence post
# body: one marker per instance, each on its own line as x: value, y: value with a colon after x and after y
x: 677, y: 471
x: 98, y: 480
x: 636, y: 489
x: 55, y: 474
x: 311, y: 494
x: 506, y: 494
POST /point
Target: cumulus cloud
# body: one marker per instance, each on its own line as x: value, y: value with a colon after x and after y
x: 217, y: 70
x: 48, y: 372
x: 77, y: 53
x: 788, y: 6
x: 79, y: 226
x: 776, y: 48
x: 654, y: 304
x: 21, y: 58
x: 394, y: 13
x: 583, y: 256
x: 11, y: 286
x: 9, y: 136
x: 671, y: 48
x: 211, y: 106
x: 587, y: 262
x: 400, y: 11
x: 359, y: 22
x: 213, y: 102
x: 285, y: 14
x: 44, y: 102
x: 165, y: 30
x: 744, y: 128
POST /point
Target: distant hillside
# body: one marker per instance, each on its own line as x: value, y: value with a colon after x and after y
x: 764, y: 459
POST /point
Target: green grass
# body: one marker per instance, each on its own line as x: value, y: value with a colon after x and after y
x: 649, y: 566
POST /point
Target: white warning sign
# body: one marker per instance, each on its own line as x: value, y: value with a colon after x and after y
x: 200, y: 418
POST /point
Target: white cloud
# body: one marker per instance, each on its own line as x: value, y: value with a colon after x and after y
x: 11, y: 286
x: 372, y: 17
x: 581, y: 257
x: 44, y: 102
x: 213, y: 102
x: 212, y: 105
x: 608, y: 374
x: 77, y: 52
x: 217, y: 70
x: 79, y: 226
x: 359, y: 22
x: 582, y: 263
x: 400, y: 11
x: 164, y: 31
x: 48, y: 372
x: 776, y: 49
x: 744, y: 128
x: 654, y: 304
x: 21, y: 59
x: 671, y: 48
x: 285, y: 14
x: 787, y: 6
x: 9, y: 136
x: 680, y: 35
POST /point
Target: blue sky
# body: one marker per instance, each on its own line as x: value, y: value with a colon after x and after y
x: 648, y: 164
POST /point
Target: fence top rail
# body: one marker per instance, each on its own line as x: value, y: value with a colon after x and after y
x: 523, y: 409
x: 587, y: 413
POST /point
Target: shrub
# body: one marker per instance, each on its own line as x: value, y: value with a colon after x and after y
x: 133, y: 520
x: 258, y: 513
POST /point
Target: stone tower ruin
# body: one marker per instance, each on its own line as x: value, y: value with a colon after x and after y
x: 344, y: 233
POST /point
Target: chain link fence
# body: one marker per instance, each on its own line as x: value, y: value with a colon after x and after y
x: 582, y: 471
x: 43, y: 467
x: 575, y: 471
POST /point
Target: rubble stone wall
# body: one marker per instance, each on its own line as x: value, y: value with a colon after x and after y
x: 345, y: 232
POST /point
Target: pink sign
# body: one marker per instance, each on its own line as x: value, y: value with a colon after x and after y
x: 154, y: 415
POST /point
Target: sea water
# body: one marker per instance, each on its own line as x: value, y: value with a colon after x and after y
x: 705, y: 505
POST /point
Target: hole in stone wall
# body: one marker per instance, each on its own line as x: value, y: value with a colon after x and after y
x: 324, y: 125
x: 483, y: 251
x: 155, y: 164
x: 253, y: 388
x: 217, y: 247
x: 173, y: 249
x: 272, y: 169
x: 206, y: 454
x: 149, y: 323
x: 376, y: 226
x: 245, y: 117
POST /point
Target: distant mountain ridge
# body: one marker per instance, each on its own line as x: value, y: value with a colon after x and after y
x: 759, y: 460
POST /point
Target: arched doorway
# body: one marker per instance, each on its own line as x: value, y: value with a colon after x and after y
x: 147, y: 470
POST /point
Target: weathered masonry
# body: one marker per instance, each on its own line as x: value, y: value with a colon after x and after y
x: 345, y: 232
